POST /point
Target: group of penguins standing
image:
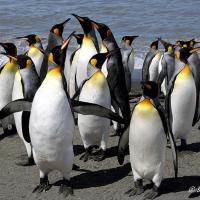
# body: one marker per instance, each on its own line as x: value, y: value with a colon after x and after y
x: 45, y: 89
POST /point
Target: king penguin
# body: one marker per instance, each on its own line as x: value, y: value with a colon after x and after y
x: 147, y: 141
x: 183, y: 96
x: 55, y: 38
x: 166, y: 66
x: 94, y: 130
x: 151, y: 61
x: 116, y: 75
x: 7, y: 74
x: 26, y: 83
x: 85, y: 52
x: 36, y: 51
x: 52, y: 125
x: 128, y: 55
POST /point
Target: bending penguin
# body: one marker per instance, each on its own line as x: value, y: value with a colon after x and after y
x: 183, y: 96
x: 7, y: 74
x: 147, y: 142
x: 151, y: 61
x: 94, y: 130
x: 128, y: 55
x: 26, y: 83
x: 36, y: 51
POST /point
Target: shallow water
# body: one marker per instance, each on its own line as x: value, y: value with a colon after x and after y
x: 171, y: 20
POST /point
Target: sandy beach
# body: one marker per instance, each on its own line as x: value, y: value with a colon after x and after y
x: 96, y: 180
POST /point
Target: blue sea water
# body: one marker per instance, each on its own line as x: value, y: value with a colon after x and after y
x: 171, y: 20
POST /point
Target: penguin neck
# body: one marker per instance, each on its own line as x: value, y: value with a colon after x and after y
x: 87, y: 41
x: 111, y: 44
x: 103, y: 47
x: 54, y: 71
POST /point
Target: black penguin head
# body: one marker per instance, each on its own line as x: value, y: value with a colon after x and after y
x: 150, y: 89
x: 24, y: 61
x: 31, y: 39
x: 10, y: 48
x: 193, y: 42
x: 129, y: 39
x: 154, y: 45
x: 170, y: 48
x: 58, y: 53
x: 85, y: 23
x: 189, y: 43
x: 103, y: 30
x: 79, y: 38
x: 58, y: 28
x: 184, y: 53
x: 98, y: 60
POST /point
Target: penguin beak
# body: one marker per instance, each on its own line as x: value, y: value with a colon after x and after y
x: 195, y: 50
x: 65, y: 22
x: 80, y: 19
x: 66, y: 42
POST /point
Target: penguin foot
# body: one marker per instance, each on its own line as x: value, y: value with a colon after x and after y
x: 43, y: 186
x: 183, y: 146
x: 75, y: 167
x: 152, y: 194
x: 137, y: 190
x: 88, y: 154
x: 66, y: 189
x: 99, y: 155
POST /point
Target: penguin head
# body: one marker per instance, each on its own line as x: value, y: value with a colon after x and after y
x: 154, y: 45
x: 150, y: 89
x: 58, y: 54
x: 170, y: 48
x: 58, y: 28
x: 103, y: 30
x: 193, y: 42
x: 10, y: 48
x: 85, y: 23
x: 184, y: 53
x: 129, y: 39
x: 79, y: 38
x: 24, y: 61
x: 31, y: 39
x: 189, y: 43
x: 98, y: 60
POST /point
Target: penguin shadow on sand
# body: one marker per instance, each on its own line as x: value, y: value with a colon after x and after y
x: 104, y: 177
x: 189, y: 184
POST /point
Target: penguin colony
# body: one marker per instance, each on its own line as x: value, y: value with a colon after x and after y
x: 45, y: 88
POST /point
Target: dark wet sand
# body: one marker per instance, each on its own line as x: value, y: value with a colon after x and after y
x: 106, y: 180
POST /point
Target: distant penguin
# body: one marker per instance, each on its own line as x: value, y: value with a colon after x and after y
x: 26, y: 83
x: 166, y: 66
x: 94, y: 130
x: 147, y: 142
x: 85, y: 52
x: 116, y: 74
x: 55, y: 38
x: 151, y: 62
x: 183, y: 96
x: 36, y: 51
x: 128, y: 55
x: 188, y: 43
x: 52, y: 125
x: 7, y: 74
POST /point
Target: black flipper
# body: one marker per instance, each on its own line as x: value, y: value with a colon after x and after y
x: 86, y: 108
x: 168, y: 132
x: 25, y: 125
x: 15, y: 106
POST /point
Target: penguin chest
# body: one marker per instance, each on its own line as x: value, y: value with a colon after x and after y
x: 92, y: 127
x: 147, y: 140
x: 6, y: 83
x: 37, y: 56
x: 51, y: 121
x: 183, y: 103
x: 153, y: 68
x: 87, y: 50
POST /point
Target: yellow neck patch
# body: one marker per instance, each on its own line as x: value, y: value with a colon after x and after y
x: 144, y: 108
x: 56, y: 71
x: 185, y: 73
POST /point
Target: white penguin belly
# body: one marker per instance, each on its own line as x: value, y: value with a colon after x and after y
x: 183, y: 103
x: 153, y: 68
x: 147, y: 141
x: 94, y: 130
x: 51, y: 126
